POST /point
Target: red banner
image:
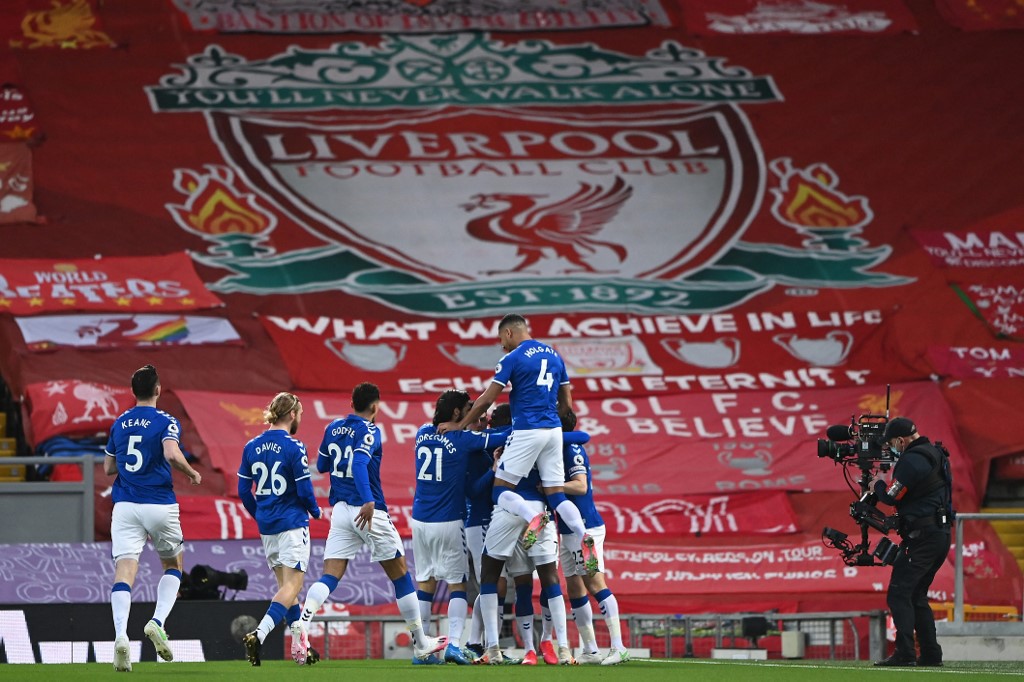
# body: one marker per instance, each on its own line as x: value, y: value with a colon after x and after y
x: 17, y: 118
x: 631, y: 518
x: 782, y: 567
x: 996, y: 242
x: 993, y: 360
x: 746, y: 17
x: 997, y: 297
x: 73, y: 408
x: 60, y: 24
x: 133, y: 284
x: 604, y: 354
x: 16, y: 185
x: 725, y: 442
x: 982, y: 15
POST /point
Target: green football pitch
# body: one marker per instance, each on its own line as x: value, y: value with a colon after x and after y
x: 635, y: 671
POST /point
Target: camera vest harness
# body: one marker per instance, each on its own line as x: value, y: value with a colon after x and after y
x: 929, y: 503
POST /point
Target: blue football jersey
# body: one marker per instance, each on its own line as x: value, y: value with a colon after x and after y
x: 479, y: 504
x: 274, y: 462
x: 536, y: 371
x: 137, y: 442
x: 344, y: 441
x: 441, y: 464
x: 577, y: 462
x: 529, y: 487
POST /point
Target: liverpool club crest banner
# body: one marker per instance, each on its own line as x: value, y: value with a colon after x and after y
x: 135, y: 284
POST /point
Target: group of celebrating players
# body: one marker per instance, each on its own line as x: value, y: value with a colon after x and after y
x: 486, y: 485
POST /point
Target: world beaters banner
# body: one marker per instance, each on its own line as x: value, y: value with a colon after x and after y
x: 604, y: 354
x: 403, y: 16
x: 48, y: 332
x: 724, y: 442
x: 629, y: 518
x: 751, y: 17
x: 73, y: 408
x: 125, y: 284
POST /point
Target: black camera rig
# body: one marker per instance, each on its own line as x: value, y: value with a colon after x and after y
x: 861, y: 445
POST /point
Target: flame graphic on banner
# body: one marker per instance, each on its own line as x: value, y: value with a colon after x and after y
x: 218, y: 212
x: 874, y: 403
x: 807, y: 201
x: 71, y: 25
x: 250, y: 417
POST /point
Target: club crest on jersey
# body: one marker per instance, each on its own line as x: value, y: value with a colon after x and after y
x: 457, y: 175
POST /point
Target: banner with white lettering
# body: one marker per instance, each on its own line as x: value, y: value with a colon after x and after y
x: 123, y: 284
x: 673, y: 445
x: 781, y: 567
x: 996, y: 242
x: 604, y: 354
x: 71, y: 407
x: 752, y: 17
x: 48, y: 332
x: 398, y: 16
x: 633, y: 518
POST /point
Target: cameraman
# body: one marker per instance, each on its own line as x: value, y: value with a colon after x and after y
x: 921, y: 491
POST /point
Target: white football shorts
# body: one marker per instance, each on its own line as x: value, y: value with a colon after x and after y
x: 345, y: 540
x: 571, y: 554
x: 533, y: 447
x: 290, y: 548
x: 504, y: 535
x: 439, y: 549
x: 131, y: 523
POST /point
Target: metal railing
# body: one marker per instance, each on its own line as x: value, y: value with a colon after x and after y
x: 958, y: 585
x: 836, y: 632
x: 832, y: 635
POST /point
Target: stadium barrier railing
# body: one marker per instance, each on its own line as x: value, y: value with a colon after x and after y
x: 845, y: 635
x: 958, y: 584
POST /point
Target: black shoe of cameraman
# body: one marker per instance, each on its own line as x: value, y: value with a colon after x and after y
x: 898, y: 660
x: 929, y: 662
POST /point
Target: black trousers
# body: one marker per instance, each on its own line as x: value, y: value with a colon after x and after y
x: 912, y: 573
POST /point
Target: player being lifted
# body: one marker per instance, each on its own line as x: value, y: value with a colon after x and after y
x: 540, y: 394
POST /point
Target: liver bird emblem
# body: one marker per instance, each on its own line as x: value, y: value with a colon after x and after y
x: 540, y: 227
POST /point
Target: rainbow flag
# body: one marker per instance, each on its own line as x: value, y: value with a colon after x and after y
x: 165, y: 332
